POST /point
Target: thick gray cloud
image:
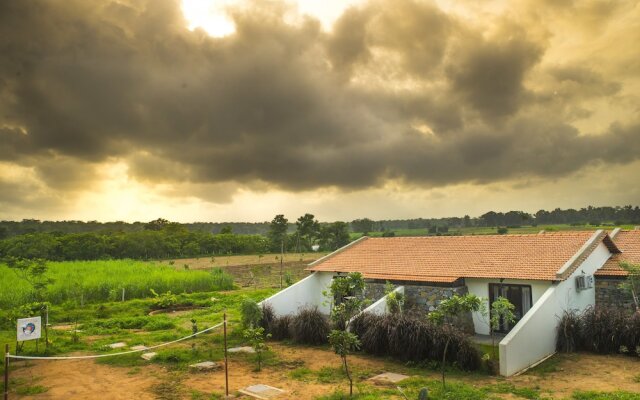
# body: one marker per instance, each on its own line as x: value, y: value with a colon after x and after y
x: 398, y: 90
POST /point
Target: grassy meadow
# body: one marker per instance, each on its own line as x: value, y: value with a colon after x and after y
x: 102, y: 281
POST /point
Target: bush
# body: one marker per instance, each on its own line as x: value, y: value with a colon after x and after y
x: 277, y: 327
x: 568, y: 332
x: 411, y: 338
x: 280, y: 328
x: 309, y: 326
x: 600, y: 330
x: 251, y: 313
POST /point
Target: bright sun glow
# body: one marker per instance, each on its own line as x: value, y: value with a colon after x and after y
x: 209, y: 15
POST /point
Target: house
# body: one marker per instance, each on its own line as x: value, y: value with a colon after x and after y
x: 543, y: 275
x: 611, y: 275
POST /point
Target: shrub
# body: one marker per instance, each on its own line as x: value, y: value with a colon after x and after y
x: 309, y: 326
x: 361, y: 322
x: 268, y: 317
x: 277, y: 327
x: 251, y: 313
x: 601, y: 330
x: 568, y: 332
x: 411, y: 338
x: 164, y: 300
x: 375, y: 339
x: 467, y: 356
x: 631, y: 336
x: 280, y: 328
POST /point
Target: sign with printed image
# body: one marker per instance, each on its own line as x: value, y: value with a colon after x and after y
x: 29, y: 328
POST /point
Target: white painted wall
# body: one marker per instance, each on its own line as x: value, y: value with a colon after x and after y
x: 480, y: 287
x: 534, y: 337
x: 379, y: 307
x: 307, y: 292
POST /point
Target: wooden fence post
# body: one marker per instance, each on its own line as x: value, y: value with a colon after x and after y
x: 226, y: 363
x: 6, y: 371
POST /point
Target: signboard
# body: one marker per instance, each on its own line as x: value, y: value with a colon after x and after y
x: 29, y: 328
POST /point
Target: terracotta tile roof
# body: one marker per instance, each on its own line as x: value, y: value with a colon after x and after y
x: 447, y: 258
x: 629, y: 243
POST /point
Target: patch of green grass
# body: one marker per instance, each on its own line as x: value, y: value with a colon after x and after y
x: 549, y: 366
x: 330, y: 375
x: 31, y: 390
x: 301, y: 374
x: 505, y: 387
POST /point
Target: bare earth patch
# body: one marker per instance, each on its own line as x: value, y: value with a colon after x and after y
x: 86, y: 380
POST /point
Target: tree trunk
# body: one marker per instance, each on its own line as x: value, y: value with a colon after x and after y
x: 346, y: 369
x: 444, y: 360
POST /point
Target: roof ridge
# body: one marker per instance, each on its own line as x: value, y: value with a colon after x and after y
x: 341, y: 249
x: 567, y: 233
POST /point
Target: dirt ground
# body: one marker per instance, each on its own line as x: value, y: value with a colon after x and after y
x: 86, y: 379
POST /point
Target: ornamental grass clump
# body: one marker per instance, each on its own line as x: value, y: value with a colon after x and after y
x: 568, y: 332
x: 309, y: 326
x: 277, y: 327
x: 602, y: 330
x: 411, y: 338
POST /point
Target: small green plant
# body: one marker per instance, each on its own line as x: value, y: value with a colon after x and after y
x: 343, y: 343
x: 501, y: 313
x: 395, y: 300
x: 448, y: 311
x: 256, y: 338
x: 164, y: 300
x: 345, y: 293
x: 288, y: 279
x: 251, y: 313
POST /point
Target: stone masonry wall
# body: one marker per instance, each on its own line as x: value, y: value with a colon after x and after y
x: 422, y: 297
x: 609, y: 294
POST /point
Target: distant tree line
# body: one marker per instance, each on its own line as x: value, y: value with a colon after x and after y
x: 161, y: 239
x: 589, y: 215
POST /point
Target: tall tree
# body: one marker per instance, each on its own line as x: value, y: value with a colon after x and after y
x: 307, y: 229
x: 278, y: 232
x: 333, y: 236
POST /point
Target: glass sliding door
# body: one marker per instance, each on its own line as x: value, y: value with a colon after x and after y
x: 518, y: 295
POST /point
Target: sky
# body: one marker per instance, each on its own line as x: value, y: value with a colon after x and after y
x: 201, y: 110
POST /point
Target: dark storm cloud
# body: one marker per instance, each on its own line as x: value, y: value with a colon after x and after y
x: 90, y: 82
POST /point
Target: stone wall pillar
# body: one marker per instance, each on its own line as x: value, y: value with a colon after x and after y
x: 609, y: 293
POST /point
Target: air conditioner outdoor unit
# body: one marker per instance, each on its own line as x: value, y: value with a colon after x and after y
x: 589, y: 281
x: 584, y: 282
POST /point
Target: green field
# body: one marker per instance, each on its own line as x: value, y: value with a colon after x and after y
x: 493, y: 230
x: 97, y: 281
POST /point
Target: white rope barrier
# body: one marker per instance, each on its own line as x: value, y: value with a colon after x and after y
x: 114, y: 354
